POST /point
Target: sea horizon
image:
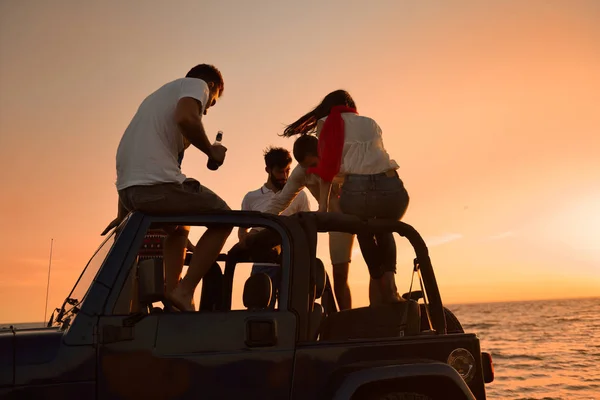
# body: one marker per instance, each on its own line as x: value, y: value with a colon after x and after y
x: 8, y: 324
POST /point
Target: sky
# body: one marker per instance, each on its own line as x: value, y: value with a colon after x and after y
x: 490, y: 109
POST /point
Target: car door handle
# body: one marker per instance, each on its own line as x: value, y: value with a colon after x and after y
x: 261, y: 332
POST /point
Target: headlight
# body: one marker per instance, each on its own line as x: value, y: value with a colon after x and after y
x: 463, y: 362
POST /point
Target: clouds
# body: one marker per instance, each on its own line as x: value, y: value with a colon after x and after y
x: 446, y: 238
x: 38, y: 261
x: 429, y: 241
x: 442, y: 239
x: 33, y: 272
x: 500, y: 236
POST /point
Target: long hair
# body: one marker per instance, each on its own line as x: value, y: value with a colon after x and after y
x: 308, y: 122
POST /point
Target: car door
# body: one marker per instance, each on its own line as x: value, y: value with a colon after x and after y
x: 240, y: 353
x: 231, y: 354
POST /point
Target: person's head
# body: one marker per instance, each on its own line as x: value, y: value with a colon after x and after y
x: 306, y: 151
x: 277, y: 165
x: 308, y: 122
x: 213, y: 78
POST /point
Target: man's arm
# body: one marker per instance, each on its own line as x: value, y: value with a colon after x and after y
x: 189, y: 120
x: 295, y: 183
x: 324, y: 190
x: 193, y: 98
x: 243, y: 232
x: 334, y: 198
x: 324, y: 187
x: 304, y: 204
x: 189, y: 246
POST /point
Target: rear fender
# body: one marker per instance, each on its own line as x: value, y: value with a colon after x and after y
x: 387, y: 375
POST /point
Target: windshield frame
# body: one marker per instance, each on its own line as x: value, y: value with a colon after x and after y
x: 65, y: 316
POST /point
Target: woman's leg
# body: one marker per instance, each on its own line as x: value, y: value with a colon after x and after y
x: 388, y: 199
x: 340, y: 253
x: 379, y: 252
x: 370, y: 252
x: 384, y: 198
x: 353, y: 201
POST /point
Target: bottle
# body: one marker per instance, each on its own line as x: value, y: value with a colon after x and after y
x: 212, y: 164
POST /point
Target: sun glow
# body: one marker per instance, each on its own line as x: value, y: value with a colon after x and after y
x: 577, y: 224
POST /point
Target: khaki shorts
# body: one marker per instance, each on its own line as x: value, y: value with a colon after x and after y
x: 190, y: 197
x: 340, y: 244
x: 340, y: 247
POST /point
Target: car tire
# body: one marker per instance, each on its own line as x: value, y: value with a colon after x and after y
x: 403, y: 396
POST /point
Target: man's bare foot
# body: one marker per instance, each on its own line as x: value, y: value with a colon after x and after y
x: 183, y: 301
x: 393, y: 298
x: 389, y: 291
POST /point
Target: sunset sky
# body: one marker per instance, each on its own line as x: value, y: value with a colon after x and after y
x: 491, y: 110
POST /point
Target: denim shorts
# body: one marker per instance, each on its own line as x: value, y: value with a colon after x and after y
x: 374, y: 196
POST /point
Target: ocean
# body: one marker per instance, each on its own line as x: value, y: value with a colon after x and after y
x: 546, y: 349
x: 542, y: 350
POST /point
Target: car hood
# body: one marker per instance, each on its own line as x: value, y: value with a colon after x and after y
x: 7, y: 357
x: 26, y: 347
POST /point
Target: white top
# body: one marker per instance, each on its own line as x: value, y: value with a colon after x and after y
x: 259, y: 200
x: 147, y: 153
x: 298, y: 180
x: 364, y: 153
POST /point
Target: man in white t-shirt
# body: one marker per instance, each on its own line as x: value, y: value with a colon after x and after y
x: 277, y: 166
x: 149, y: 177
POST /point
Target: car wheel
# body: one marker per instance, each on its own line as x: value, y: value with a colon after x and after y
x: 403, y: 396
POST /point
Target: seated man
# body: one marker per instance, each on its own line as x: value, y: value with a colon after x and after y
x: 149, y: 177
x: 122, y: 212
x: 277, y: 166
x: 306, y: 152
x: 153, y: 247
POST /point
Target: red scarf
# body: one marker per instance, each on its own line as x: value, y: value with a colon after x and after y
x: 331, y: 144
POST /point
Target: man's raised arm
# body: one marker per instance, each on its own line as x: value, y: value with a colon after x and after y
x: 295, y: 183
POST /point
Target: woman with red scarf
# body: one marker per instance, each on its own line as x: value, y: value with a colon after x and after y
x: 351, y: 151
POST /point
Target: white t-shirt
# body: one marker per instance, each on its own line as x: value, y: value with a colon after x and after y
x: 149, y: 148
x: 260, y: 199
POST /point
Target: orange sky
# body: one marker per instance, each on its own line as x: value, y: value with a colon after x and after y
x: 490, y: 110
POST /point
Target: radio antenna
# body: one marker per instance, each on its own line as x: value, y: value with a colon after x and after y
x: 48, y: 284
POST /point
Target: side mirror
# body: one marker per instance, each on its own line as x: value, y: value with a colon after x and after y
x: 151, y: 280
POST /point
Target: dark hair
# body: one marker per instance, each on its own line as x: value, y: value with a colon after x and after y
x: 306, y: 145
x: 208, y: 73
x: 308, y: 122
x: 277, y: 157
